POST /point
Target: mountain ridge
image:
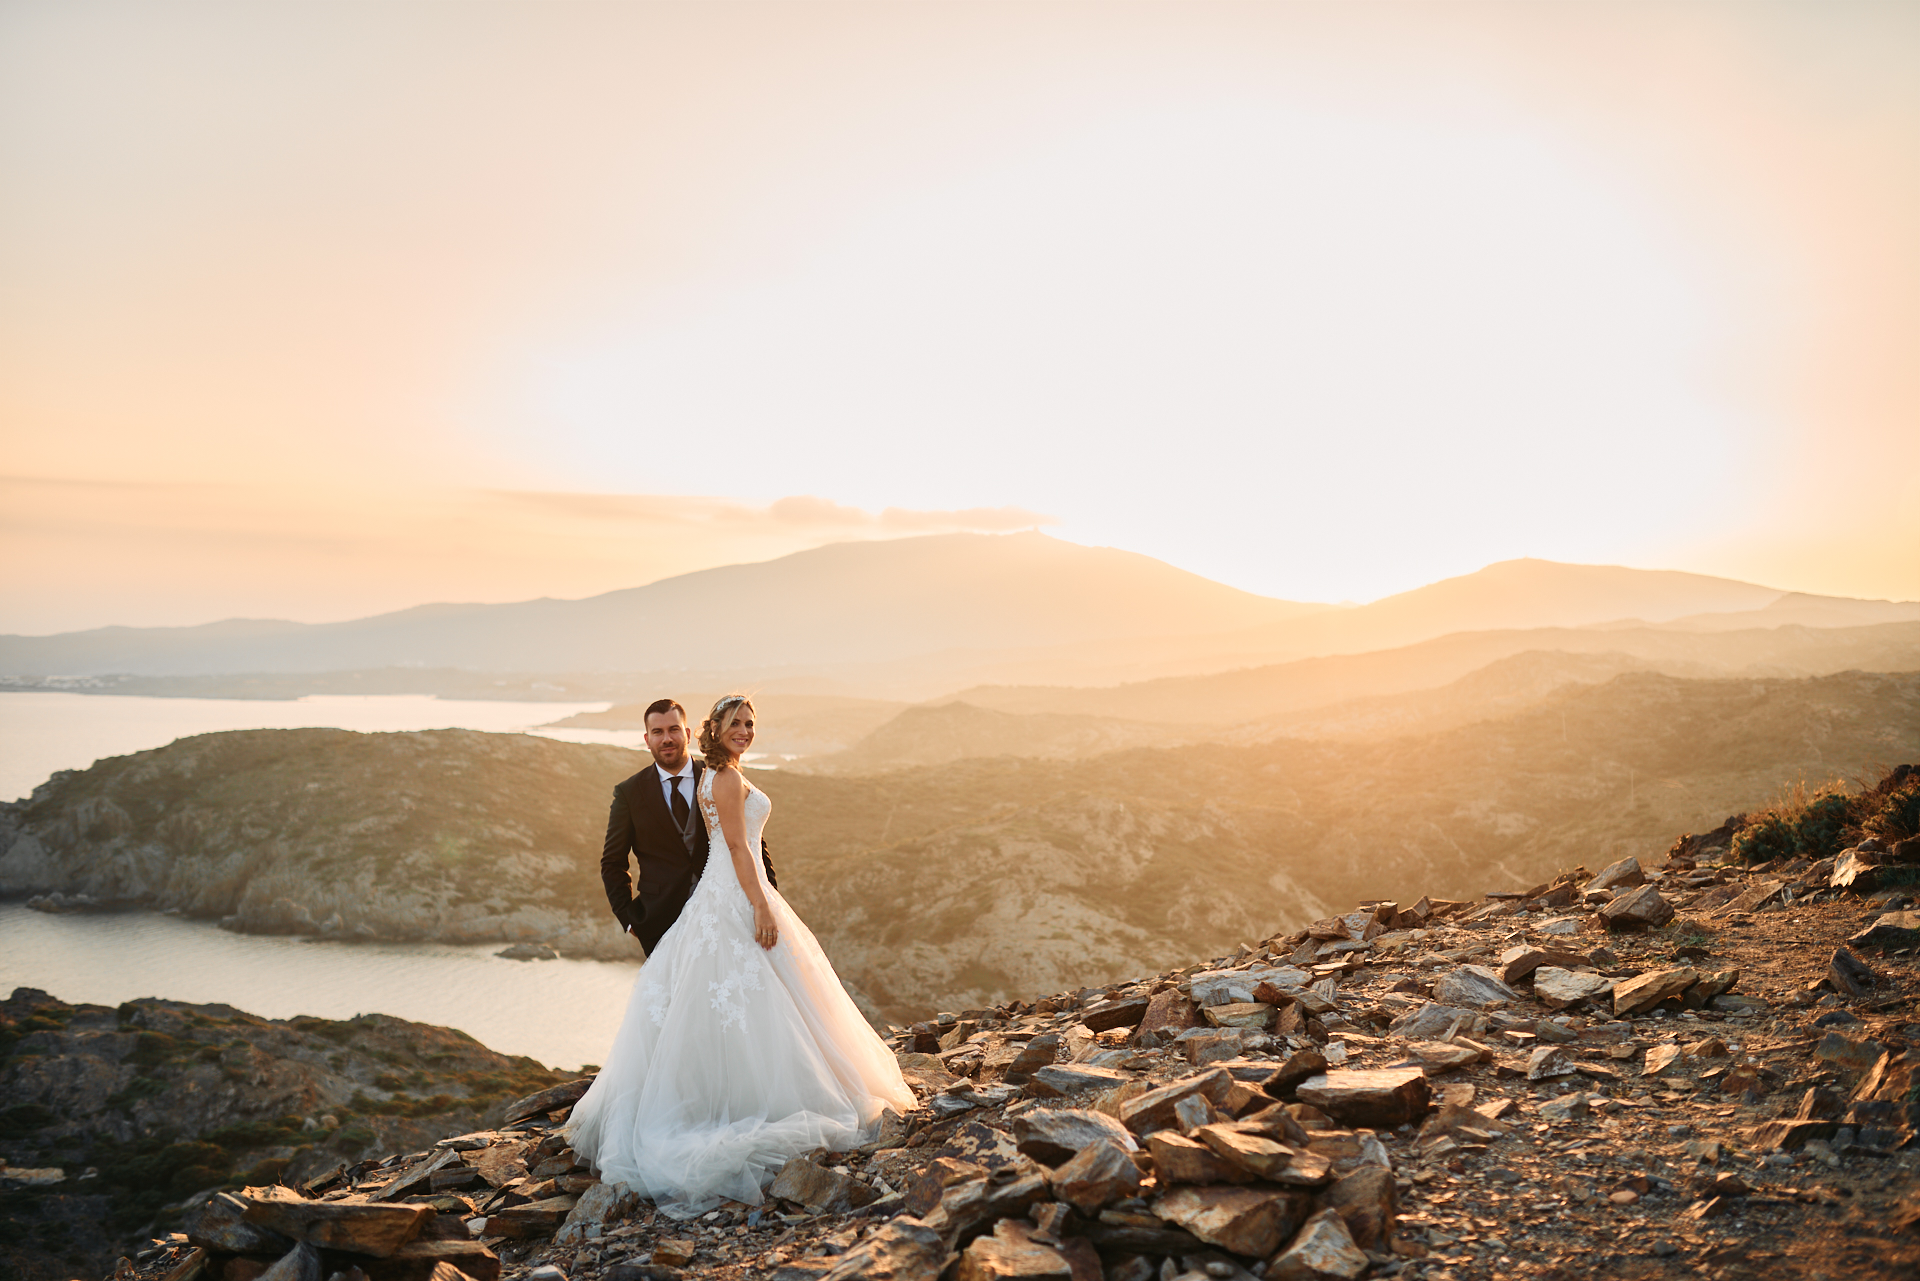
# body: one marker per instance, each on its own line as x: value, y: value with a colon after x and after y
x: 915, y: 617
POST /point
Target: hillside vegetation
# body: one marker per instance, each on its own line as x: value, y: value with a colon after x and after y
x: 978, y: 879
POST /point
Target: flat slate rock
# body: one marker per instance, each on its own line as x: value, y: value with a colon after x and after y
x: 357, y: 1226
x: 1053, y: 1136
x: 1474, y: 986
x: 1107, y: 1015
x: 560, y: 1096
x: 1642, y: 992
x: 1558, y: 988
x: 1065, y: 1078
x: 1892, y: 930
x: 1382, y: 1097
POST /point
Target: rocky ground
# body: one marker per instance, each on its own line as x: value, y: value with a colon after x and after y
x: 1692, y: 1070
x: 110, y: 1115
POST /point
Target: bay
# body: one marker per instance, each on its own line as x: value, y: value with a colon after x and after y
x: 561, y: 1013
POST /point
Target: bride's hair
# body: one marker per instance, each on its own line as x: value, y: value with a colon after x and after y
x: 716, y: 753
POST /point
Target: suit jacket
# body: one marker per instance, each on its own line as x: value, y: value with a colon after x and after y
x: 639, y: 823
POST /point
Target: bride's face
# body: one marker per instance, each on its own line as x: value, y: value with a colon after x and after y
x: 739, y: 735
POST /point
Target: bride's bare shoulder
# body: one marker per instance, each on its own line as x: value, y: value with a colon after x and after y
x: 727, y: 782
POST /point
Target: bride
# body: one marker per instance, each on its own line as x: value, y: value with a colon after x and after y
x: 739, y: 1049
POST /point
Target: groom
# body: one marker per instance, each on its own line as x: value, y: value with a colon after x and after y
x: 656, y: 817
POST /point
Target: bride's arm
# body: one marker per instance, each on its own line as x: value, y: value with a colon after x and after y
x: 730, y: 796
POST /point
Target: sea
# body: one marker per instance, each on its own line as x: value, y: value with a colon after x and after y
x: 562, y: 1013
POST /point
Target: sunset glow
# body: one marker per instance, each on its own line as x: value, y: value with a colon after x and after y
x: 313, y: 311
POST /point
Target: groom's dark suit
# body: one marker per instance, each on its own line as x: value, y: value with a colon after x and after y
x: 670, y: 859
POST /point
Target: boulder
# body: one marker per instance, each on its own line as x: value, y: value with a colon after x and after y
x: 560, y: 1096
x: 1752, y: 899
x: 1624, y: 875
x: 1854, y: 870
x: 1098, y: 1175
x: 1052, y: 1136
x: 1178, y: 1159
x: 1517, y: 964
x: 1641, y: 993
x: 533, y: 1219
x: 1442, y: 1056
x: 1368, y: 1204
x: 925, y: 1072
x: 1240, y: 1014
x: 1298, y: 1067
x: 418, y: 1178
x: 357, y: 1226
x: 302, y: 1263
x: 1637, y: 909
x: 1430, y: 1022
x: 820, y: 1190
x: 1322, y: 1251
x: 1106, y: 1015
x: 219, y: 1223
x: 1547, y: 1062
x: 1381, y: 1098
x: 1250, y: 1221
x: 1660, y: 1058
x: 1169, y: 1012
x: 1474, y: 987
x: 1154, y: 1110
x: 930, y: 1183
x: 502, y: 1164
x: 1891, y: 930
x: 1710, y: 984
x: 970, y: 1205
x: 1040, y: 1052
x: 1011, y: 1253
x: 902, y: 1250
x: 599, y: 1205
x: 1564, y: 1108
x: 1057, y: 1079
x: 1848, y: 975
x: 1558, y: 988
x: 1258, y: 1155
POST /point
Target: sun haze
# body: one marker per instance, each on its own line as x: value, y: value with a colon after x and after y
x: 312, y: 311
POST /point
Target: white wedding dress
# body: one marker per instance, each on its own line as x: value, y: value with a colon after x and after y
x: 732, y: 1058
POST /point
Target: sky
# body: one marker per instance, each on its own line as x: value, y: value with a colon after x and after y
x: 314, y: 310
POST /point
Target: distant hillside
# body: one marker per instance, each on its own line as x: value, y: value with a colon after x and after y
x: 941, y: 886
x: 917, y: 618
x: 1255, y: 694
x: 858, y: 602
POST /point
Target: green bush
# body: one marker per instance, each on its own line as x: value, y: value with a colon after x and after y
x: 1798, y: 827
x: 1894, y: 816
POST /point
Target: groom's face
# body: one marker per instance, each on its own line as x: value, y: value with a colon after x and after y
x: 667, y: 740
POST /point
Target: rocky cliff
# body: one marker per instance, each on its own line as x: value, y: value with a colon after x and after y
x: 109, y: 1114
x: 1704, y: 1066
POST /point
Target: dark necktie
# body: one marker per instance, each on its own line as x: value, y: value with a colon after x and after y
x: 679, y: 803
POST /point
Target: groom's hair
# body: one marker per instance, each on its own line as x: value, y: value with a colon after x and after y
x: 661, y: 706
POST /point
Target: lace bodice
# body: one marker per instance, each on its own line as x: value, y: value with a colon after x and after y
x: 758, y: 808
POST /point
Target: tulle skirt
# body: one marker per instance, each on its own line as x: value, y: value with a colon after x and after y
x: 732, y: 1059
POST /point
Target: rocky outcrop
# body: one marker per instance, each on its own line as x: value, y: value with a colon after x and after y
x: 451, y: 835
x: 1728, y: 1095
x: 119, y: 1112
